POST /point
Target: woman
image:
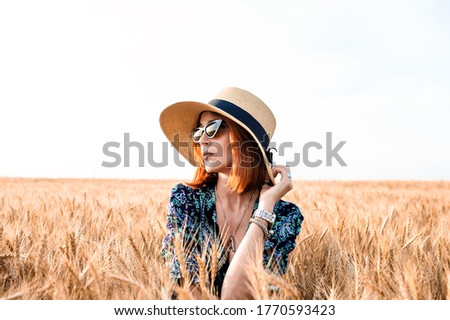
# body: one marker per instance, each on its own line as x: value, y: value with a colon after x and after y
x: 233, y: 202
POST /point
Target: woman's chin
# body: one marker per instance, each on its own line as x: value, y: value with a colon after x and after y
x: 211, y: 169
x: 223, y: 170
x: 212, y: 166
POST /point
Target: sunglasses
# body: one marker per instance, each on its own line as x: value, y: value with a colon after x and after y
x: 210, y: 129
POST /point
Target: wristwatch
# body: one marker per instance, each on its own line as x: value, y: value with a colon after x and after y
x: 266, y: 215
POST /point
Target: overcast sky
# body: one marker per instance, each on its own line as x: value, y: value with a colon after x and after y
x: 76, y: 75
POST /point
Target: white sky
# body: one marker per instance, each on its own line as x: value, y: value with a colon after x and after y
x: 75, y: 75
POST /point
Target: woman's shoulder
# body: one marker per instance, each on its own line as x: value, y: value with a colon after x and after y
x: 184, y: 195
x: 184, y: 189
x: 181, y: 188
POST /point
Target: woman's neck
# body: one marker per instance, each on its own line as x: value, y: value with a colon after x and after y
x: 222, y: 186
x: 233, y: 199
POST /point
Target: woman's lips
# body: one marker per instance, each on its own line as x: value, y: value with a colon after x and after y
x: 206, y: 155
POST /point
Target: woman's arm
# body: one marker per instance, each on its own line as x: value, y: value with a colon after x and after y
x: 236, y: 284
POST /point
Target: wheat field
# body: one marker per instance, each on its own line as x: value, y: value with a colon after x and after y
x: 101, y: 239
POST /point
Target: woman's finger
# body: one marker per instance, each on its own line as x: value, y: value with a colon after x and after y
x: 283, y: 170
x: 286, y: 177
x: 278, y: 190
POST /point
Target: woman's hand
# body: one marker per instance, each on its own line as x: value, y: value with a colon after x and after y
x: 271, y: 194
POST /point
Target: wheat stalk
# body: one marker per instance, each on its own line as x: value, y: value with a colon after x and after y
x: 138, y: 255
x: 359, y: 240
x: 410, y: 241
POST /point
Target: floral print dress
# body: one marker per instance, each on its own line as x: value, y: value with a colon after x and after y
x: 192, y: 215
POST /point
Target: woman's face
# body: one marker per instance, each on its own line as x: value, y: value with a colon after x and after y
x: 216, y: 151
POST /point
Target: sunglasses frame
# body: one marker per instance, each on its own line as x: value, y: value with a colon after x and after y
x: 203, y: 130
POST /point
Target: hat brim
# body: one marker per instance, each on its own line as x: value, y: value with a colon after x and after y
x: 179, y: 119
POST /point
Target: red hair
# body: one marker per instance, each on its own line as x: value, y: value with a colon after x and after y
x: 248, y: 171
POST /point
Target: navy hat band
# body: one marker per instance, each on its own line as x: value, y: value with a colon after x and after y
x: 244, y: 117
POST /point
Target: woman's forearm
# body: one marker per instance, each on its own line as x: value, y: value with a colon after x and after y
x: 236, y: 284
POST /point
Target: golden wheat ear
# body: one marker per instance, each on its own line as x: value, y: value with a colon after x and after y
x: 89, y: 239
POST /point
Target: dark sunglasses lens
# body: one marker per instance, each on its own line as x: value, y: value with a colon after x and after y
x: 197, y: 135
x: 212, y: 128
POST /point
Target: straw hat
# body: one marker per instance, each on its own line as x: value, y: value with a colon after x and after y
x: 179, y: 120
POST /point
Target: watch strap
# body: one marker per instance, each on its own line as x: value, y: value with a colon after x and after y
x: 265, y: 215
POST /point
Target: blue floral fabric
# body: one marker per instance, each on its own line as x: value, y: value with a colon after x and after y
x: 192, y: 214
